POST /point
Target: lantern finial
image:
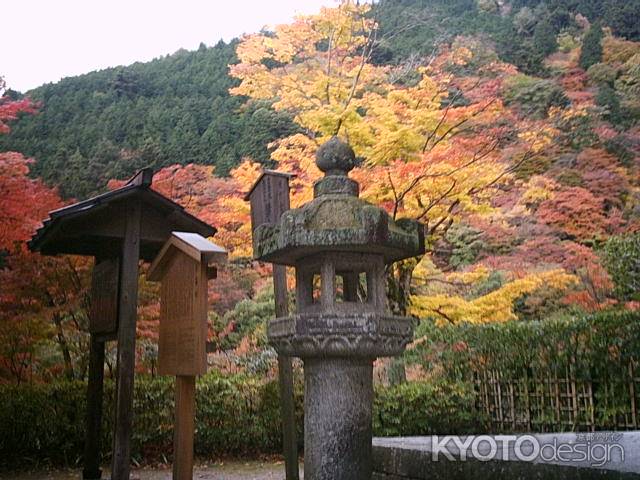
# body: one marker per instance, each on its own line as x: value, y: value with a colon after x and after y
x: 336, y: 158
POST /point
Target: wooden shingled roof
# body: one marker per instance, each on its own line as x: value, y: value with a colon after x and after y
x: 96, y: 226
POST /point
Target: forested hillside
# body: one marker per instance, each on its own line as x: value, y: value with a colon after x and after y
x: 524, y: 31
x: 177, y: 109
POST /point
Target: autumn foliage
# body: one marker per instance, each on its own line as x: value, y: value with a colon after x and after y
x: 518, y: 180
x: 40, y: 298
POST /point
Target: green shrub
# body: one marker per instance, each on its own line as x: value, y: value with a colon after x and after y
x: 609, y: 100
x: 567, y: 42
x: 621, y: 255
x: 244, y: 318
x: 596, y: 352
x: 235, y: 415
x: 534, y: 346
x: 39, y: 422
x: 627, y: 85
x: 600, y: 73
x: 622, y: 148
x: 426, y: 408
x: 45, y: 423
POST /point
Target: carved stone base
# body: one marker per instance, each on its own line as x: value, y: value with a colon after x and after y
x: 367, y: 335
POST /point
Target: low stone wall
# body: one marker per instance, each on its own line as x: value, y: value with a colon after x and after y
x: 412, y: 458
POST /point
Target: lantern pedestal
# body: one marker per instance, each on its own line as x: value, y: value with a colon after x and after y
x: 338, y: 350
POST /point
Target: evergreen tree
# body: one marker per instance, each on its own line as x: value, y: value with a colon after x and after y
x: 591, y: 47
x: 608, y: 98
x: 544, y: 38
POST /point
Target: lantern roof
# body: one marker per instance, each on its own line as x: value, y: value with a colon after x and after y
x: 96, y: 226
x: 337, y: 219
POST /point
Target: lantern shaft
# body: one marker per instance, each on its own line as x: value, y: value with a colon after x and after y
x: 338, y: 397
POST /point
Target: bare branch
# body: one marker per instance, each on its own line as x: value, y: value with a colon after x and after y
x: 396, y: 203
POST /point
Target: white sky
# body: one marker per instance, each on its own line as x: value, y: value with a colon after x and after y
x: 46, y: 40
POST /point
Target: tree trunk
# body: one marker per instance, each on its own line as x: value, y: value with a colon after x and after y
x: 399, y: 295
x: 64, y: 347
x: 399, y: 285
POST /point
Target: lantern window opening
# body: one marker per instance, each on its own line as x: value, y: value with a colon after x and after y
x: 351, y: 286
x: 316, y: 288
x: 340, y: 285
x: 363, y: 287
x: 340, y: 282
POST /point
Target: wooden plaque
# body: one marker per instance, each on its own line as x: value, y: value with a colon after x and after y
x: 269, y: 199
x: 183, y: 318
x: 103, y: 317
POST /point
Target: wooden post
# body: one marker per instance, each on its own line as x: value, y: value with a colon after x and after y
x: 512, y: 405
x: 499, y: 395
x: 183, y: 268
x: 574, y: 393
x: 557, y: 400
x: 91, y: 470
x: 285, y: 380
x: 632, y: 394
x: 527, y: 399
x: 269, y: 199
x: 126, y: 344
x: 184, y: 427
x: 592, y: 417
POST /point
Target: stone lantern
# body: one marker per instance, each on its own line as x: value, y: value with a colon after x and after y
x: 339, y: 246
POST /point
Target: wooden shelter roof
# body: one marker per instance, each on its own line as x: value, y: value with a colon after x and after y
x: 96, y: 226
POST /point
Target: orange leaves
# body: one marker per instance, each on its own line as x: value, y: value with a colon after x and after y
x: 10, y: 109
x: 578, y: 214
x: 24, y: 202
x: 581, y: 197
x: 217, y: 201
x: 296, y: 154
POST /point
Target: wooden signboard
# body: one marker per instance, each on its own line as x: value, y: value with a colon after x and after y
x: 183, y: 268
x: 183, y: 318
x: 103, y: 318
x: 269, y: 197
x: 132, y: 223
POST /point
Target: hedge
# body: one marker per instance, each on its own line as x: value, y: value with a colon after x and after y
x: 596, y: 345
x: 235, y: 415
x: 573, y: 373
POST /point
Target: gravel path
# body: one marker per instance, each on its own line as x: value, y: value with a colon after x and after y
x: 233, y: 470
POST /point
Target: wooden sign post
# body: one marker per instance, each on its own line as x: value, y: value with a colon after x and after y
x: 118, y: 228
x: 269, y: 199
x: 183, y: 268
x: 103, y: 326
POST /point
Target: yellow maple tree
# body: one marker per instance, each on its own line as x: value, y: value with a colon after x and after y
x: 432, y: 146
x: 495, y: 306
